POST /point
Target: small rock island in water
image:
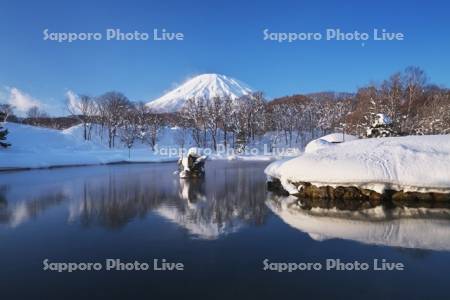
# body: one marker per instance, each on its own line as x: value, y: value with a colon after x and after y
x: 192, y: 165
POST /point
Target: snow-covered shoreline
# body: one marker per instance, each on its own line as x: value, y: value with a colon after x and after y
x: 90, y: 160
x: 37, y: 148
x: 409, y: 164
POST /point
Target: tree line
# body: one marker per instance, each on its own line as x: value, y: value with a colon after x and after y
x: 412, y: 105
x: 119, y: 117
x: 407, y: 99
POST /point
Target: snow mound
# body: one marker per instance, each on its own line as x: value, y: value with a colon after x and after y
x: 26, y: 138
x: 412, y: 163
x: 339, y: 138
x: 203, y: 86
x: 316, y: 145
x: 328, y: 141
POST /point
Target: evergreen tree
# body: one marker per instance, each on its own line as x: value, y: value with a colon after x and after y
x: 3, y: 134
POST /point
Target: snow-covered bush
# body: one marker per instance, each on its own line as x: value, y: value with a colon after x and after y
x: 381, y: 127
x: 3, y: 134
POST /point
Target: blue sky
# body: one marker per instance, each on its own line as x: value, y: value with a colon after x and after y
x: 222, y: 37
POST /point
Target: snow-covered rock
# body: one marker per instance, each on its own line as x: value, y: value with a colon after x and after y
x: 412, y: 163
x: 203, y: 86
x: 338, y: 138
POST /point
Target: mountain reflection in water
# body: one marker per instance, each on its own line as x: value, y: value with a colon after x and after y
x: 221, y: 228
x: 229, y: 198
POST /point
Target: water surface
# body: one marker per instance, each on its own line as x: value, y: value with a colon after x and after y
x: 221, y: 228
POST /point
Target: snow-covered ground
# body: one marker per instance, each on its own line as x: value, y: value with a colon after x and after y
x: 37, y: 147
x: 403, y: 227
x: 410, y: 163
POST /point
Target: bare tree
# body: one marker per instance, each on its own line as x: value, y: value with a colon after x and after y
x: 194, y: 113
x: 6, y: 110
x: 113, y: 106
x: 214, y: 118
x: 85, y: 110
x: 128, y: 130
x: 142, y: 112
x: 434, y: 114
x: 254, y: 105
x: 34, y: 114
x: 149, y: 124
x: 239, y: 125
x: 226, y: 112
x: 392, y: 98
x: 414, y: 82
x: 182, y: 132
x: 154, y: 122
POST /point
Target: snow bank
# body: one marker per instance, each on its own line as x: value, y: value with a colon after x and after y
x: 36, y: 147
x: 412, y: 163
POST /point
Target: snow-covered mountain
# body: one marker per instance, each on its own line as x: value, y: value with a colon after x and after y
x: 205, y: 85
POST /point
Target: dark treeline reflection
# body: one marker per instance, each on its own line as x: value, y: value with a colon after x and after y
x: 117, y: 198
x: 231, y: 196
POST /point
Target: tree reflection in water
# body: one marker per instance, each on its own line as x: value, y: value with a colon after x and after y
x: 231, y: 196
x: 18, y: 212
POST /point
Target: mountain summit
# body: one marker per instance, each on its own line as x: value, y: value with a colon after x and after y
x: 205, y: 85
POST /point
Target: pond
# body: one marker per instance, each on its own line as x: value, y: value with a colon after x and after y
x: 223, y: 229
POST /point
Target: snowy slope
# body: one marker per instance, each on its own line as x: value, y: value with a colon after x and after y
x: 28, y: 139
x: 202, y: 86
x: 36, y: 147
x: 411, y: 163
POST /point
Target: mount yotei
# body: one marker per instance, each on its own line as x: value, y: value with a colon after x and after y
x: 202, y: 86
